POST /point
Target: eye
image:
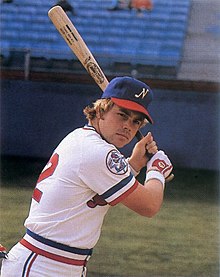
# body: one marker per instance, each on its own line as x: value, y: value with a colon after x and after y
x: 137, y: 122
x: 123, y: 115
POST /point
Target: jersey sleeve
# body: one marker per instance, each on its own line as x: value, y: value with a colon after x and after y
x: 106, y: 171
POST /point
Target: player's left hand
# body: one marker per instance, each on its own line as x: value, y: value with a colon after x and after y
x: 143, y: 149
x: 160, y: 162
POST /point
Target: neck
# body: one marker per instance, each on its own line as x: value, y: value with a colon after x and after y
x: 94, y: 123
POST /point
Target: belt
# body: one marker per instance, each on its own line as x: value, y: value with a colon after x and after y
x: 54, y: 250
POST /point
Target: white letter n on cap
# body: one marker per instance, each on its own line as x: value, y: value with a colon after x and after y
x: 142, y: 94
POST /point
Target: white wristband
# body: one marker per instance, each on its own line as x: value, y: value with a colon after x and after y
x: 154, y: 174
x: 134, y: 172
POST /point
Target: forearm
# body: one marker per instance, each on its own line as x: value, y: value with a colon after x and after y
x: 154, y: 196
x: 134, y: 170
x: 147, y: 199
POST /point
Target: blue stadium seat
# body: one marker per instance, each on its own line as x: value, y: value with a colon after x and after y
x: 122, y: 36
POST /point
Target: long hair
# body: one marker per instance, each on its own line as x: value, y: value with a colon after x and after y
x: 101, y: 105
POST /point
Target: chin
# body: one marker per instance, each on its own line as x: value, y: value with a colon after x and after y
x: 120, y: 141
x: 121, y: 144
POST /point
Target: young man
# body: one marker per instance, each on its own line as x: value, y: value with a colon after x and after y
x: 84, y: 177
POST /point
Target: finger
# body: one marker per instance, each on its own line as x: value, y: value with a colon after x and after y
x: 147, y: 139
x: 152, y: 149
x: 151, y: 145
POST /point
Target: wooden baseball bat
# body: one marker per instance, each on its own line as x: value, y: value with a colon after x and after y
x: 76, y: 43
x: 74, y: 40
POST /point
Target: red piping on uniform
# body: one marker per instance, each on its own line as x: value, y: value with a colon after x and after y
x: 30, y: 265
x: 125, y: 194
x: 51, y: 256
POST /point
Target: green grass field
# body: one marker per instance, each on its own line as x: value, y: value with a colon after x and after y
x: 182, y: 240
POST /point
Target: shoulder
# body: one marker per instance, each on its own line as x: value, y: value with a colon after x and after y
x: 95, y: 147
x: 98, y: 152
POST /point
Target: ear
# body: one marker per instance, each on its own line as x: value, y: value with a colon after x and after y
x: 100, y: 113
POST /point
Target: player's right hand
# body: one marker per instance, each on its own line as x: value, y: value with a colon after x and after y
x: 140, y: 156
x: 160, y: 162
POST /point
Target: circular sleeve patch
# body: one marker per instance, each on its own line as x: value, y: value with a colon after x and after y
x: 116, y: 163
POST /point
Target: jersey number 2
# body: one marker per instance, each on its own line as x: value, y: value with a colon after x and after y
x: 47, y: 172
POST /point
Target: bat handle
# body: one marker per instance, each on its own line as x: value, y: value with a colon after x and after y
x: 139, y: 135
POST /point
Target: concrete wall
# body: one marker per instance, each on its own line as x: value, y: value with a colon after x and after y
x: 201, y: 59
x: 37, y: 115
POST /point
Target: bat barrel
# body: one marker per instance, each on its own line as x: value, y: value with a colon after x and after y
x: 76, y: 43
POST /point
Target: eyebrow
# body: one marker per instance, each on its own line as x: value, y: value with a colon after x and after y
x: 129, y: 113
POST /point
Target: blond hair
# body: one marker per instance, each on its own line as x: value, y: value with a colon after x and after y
x: 101, y: 105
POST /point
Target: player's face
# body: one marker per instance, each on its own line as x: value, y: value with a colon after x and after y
x: 118, y: 126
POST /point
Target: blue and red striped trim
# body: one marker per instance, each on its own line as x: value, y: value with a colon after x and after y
x: 52, y: 256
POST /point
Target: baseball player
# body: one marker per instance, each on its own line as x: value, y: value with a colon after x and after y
x: 85, y: 176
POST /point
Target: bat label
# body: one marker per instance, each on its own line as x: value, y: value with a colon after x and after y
x: 95, y: 72
x: 68, y: 34
x: 71, y: 32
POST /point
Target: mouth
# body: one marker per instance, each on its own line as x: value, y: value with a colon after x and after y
x: 125, y: 136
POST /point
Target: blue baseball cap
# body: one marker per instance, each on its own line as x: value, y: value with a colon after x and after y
x: 130, y: 93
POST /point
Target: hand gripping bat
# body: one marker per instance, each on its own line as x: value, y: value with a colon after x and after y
x: 76, y: 43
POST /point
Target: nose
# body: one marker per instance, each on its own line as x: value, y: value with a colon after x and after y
x: 128, y: 125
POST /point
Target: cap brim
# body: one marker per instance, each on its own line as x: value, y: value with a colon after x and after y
x: 130, y: 105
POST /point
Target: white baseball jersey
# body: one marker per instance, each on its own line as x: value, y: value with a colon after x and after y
x: 84, y: 177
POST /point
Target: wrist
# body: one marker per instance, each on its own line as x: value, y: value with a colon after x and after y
x: 133, y: 170
x: 154, y: 174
